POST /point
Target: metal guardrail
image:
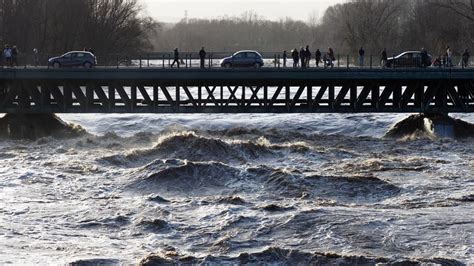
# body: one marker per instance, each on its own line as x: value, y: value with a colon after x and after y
x: 212, y: 60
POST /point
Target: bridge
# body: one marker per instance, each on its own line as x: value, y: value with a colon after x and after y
x: 267, y: 90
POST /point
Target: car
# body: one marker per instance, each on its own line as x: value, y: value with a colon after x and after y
x: 245, y: 58
x: 408, y: 59
x: 74, y: 59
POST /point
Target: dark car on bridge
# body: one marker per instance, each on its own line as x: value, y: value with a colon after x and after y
x: 246, y: 58
x: 74, y: 59
x: 408, y: 59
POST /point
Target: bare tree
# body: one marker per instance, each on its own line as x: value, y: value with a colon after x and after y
x: 56, y: 26
x: 464, y: 8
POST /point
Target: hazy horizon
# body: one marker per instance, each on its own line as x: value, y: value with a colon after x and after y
x: 174, y: 11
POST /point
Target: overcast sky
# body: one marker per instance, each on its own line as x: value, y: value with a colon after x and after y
x: 174, y: 10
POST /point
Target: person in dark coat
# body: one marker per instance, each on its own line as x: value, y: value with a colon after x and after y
x: 361, y: 56
x: 284, y: 58
x: 318, y: 57
x: 307, y: 55
x: 202, y: 56
x: 424, y: 58
x: 176, y: 58
x: 14, y: 56
x: 331, y: 57
x: 384, y: 58
x: 303, y: 57
x: 465, y: 58
x: 296, y: 57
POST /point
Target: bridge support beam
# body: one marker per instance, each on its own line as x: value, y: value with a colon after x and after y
x: 252, y: 95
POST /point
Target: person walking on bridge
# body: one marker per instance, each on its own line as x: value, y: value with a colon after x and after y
x: 35, y: 57
x: 465, y: 58
x: 176, y: 58
x: 285, y: 56
x: 317, y: 55
x: 361, y: 56
x: 384, y: 58
x: 7, y: 54
x: 331, y: 57
x: 296, y: 58
x: 303, y: 57
x: 424, y: 58
x: 307, y: 56
x: 202, y: 56
x: 15, y: 53
x: 449, y: 56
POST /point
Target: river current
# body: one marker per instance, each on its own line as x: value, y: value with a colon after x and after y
x: 271, y: 189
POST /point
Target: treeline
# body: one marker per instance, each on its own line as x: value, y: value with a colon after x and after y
x: 374, y: 24
x: 56, y: 26
x: 116, y: 27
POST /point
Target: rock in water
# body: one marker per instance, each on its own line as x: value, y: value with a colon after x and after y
x: 431, y: 126
x: 35, y: 126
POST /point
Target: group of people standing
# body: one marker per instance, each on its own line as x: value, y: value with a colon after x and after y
x: 9, y: 56
x: 446, y: 58
x: 303, y: 57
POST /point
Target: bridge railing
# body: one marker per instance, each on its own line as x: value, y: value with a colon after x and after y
x: 213, y: 59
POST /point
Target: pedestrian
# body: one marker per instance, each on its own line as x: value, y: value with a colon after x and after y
x: 449, y: 56
x: 202, y: 56
x: 438, y: 61
x: 317, y: 55
x: 384, y: 58
x: 424, y: 58
x: 465, y: 58
x: 444, y: 59
x: 331, y: 57
x: 303, y: 57
x: 296, y: 57
x: 361, y: 56
x: 35, y: 56
x: 7, y: 54
x: 307, y: 56
x: 15, y: 53
x: 285, y: 56
x: 176, y: 58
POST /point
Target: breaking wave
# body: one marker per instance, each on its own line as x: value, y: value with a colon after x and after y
x: 423, y: 126
x: 278, y: 256
x: 215, y: 178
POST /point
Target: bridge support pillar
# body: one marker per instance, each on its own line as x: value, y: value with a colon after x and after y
x: 34, y: 126
x: 17, y: 126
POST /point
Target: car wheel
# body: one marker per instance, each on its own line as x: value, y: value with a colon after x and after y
x: 257, y: 65
x: 227, y: 65
x: 87, y: 65
x: 56, y: 65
